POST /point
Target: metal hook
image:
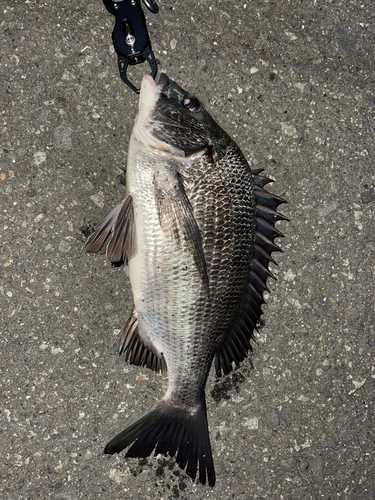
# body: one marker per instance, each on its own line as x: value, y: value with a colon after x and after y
x: 130, y: 35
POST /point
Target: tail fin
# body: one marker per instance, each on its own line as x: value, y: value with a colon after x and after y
x: 172, y: 430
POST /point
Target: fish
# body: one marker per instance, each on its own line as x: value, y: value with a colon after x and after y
x: 197, y: 230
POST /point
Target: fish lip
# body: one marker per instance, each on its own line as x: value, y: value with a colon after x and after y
x: 163, y: 85
x: 147, y: 79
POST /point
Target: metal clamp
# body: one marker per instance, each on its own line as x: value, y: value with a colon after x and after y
x: 130, y: 36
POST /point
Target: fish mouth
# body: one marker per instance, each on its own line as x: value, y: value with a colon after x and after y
x: 162, y: 86
x: 165, y: 86
x: 161, y: 124
x: 146, y: 122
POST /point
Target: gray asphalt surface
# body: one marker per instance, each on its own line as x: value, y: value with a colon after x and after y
x: 293, y: 83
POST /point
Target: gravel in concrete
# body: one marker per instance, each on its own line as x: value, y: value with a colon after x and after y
x: 293, y: 83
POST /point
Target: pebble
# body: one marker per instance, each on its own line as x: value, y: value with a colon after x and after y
x: 38, y: 218
x: 64, y: 246
x: 288, y: 129
x: 88, y: 185
x: 322, y: 212
x: 98, y: 199
x: 39, y: 157
x: 294, y: 480
x: 357, y: 385
x: 67, y: 75
x: 316, y: 468
x: 329, y: 443
x: 62, y: 135
x: 56, y: 350
x: 39, y: 88
x: 120, y: 477
x: 251, y: 423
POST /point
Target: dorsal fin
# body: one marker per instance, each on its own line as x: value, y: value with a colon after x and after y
x: 237, y: 344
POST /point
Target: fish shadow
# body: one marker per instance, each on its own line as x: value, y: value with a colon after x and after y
x: 223, y: 387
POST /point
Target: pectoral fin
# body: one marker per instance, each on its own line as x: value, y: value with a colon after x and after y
x: 176, y: 216
x: 115, y: 234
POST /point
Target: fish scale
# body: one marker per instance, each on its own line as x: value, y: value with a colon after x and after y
x: 197, y: 230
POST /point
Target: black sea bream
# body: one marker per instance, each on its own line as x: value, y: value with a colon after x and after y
x: 197, y: 230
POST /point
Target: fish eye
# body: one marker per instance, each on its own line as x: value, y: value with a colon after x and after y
x: 192, y: 104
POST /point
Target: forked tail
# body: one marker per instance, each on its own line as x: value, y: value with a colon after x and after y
x: 171, y: 429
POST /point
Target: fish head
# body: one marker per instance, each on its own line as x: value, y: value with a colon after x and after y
x: 172, y: 119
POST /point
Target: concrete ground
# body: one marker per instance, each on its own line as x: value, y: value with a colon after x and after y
x: 293, y: 83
